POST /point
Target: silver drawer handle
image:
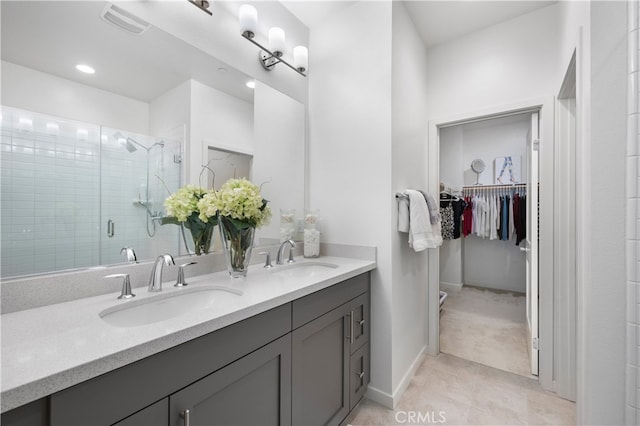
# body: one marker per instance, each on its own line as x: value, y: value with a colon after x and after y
x: 351, y: 325
x: 361, y: 322
x: 185, y: 415
x: 360, y: 375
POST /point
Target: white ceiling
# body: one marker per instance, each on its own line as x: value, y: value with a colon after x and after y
x: 436, y: 21
x: 53, y: 36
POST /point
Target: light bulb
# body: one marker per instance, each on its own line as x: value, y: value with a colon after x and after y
x: 301, y: 58
x: 248, y: 20
x: 276, y: 41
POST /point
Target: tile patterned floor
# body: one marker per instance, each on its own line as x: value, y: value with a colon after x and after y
x: 482, y: 375
x: 487, y: 327
x: 452, y: 391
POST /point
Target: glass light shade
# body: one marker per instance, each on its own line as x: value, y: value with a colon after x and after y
x: 276, y: 40
x: 248, y: 19
x: 300, y: 58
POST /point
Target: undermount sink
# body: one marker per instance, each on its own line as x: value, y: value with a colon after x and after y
x: 168, y: 305
x: 303, y: 268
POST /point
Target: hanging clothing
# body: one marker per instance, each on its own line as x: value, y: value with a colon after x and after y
x: 446, y: 213
x: 520, y: 217
x: 467, y: 217
x: 451, y: 210
x: 504, y: 227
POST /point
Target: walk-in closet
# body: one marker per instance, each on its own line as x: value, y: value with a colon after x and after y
x: 486, y: 172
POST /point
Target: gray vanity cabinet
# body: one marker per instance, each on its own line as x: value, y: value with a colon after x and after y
x: 255, y: 390
x: 153, y: 415
x: 330, y: 363
x: 303, y: 363
x: 320, y: 361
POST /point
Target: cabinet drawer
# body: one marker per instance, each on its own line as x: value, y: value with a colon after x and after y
x: 359, y: 312
x: 316, y: 304
x: 360, y: 375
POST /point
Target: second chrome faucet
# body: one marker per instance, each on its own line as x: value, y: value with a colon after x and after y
x: 279, y: 256
x: 155, y: 280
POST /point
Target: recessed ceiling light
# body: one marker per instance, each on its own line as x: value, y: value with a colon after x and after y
x: 251, y: 84
x: 85, y: 69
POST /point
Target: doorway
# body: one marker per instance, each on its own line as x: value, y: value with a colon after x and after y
x: 488, y: 269
x: 545, y: 108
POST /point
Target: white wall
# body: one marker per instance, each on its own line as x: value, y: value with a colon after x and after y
x: 513, y: 61
x: 408, y: 156
x: 349, y: 152
x: 33, y: 90
x: 279, y: 154
x: 632, y: 409
x: 605, y: 284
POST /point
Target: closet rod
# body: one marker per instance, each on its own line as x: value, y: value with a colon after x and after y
x: 503, y: 186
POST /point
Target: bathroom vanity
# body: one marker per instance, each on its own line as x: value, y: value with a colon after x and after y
x: 292, y: 349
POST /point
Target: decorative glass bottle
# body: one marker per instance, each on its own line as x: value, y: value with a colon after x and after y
x: 287, y: 224
x: 311, y: 234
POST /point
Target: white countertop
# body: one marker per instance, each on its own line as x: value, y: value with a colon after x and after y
x: 47, y: 349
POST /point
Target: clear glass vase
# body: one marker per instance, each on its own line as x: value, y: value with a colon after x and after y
x: 237, y: 243
x: 202, y: 235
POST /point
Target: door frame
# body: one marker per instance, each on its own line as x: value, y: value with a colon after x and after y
x: 545, y: 105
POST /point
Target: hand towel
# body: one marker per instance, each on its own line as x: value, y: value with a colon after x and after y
x: 422, y: 235
x: 403, y: 214
x: 434, y: 208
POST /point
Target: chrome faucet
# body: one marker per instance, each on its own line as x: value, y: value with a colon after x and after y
x: 155, y: 281
x: 279, y: 259
x: 129, y: 254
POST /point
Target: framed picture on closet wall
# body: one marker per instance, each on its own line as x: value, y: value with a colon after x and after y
x: 507, y: 170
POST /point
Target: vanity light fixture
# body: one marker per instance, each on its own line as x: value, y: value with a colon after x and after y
x: 203, y: 5
x: 273, y: 55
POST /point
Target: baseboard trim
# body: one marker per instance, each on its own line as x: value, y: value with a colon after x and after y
x: 450, y: 286
x: 382, y: 398
x: 390, y: 401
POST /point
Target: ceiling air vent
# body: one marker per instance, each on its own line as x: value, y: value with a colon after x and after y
x: 124, y: 20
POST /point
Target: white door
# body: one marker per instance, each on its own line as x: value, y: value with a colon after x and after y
x: 530, y: 245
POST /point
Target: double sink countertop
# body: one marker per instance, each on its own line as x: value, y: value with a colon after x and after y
x: 50, y: 348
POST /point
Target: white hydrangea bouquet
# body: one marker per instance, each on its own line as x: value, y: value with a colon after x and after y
x: 240, y: 209
x: 183, y: 209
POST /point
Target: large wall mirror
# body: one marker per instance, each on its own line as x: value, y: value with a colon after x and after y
x: 88, y: 159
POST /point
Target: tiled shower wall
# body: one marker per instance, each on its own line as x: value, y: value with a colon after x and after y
x: 632, y: 412
x: 50, y: 191
x: 62, y: 180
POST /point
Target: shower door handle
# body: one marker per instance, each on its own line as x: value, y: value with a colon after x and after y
x: 111, y: 228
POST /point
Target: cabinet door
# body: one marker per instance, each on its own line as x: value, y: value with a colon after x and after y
x: 359, y: 375
x: 154, y: 415
x: 320, y: 369
x: 359, y: 327
x: 254, y: 390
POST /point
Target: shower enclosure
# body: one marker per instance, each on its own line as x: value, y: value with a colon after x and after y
x: 74, y: 194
